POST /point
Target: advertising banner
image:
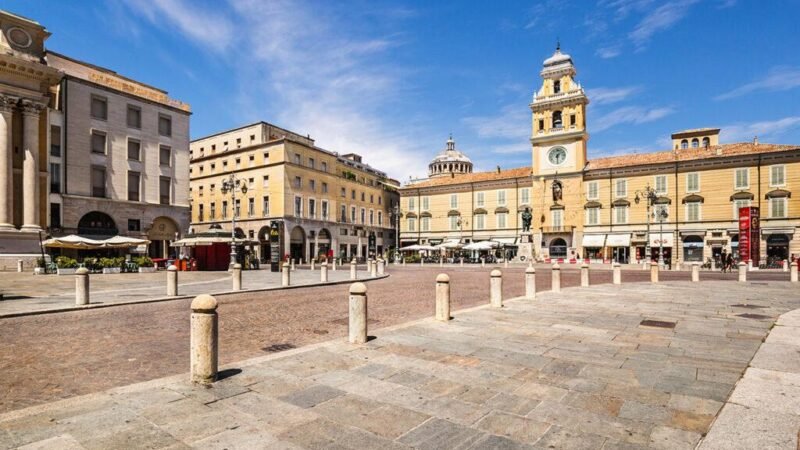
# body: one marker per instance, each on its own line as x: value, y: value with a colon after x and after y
x: 749, y: 234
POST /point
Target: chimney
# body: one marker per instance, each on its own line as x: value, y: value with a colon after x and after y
x: 755, y: 140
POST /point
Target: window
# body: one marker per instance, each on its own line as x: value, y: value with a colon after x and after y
x: 324, y: 166
x: 411, y: 203
x: 134, y: 182
x: 213, y: 210
x: 164, y: 125
x: 501, y: 197
x: 55, y: 178
x: 134, y: 117
x: 324, y: 188
x: 312, y: 184
x: 55, y: 140
x: 684, y: 144
x: 98, y: 181
x: 525, y: 196
x: 380, y: 200
x: 352, y: 214
x: 265, y: 181
x: 706, y: 142
x: 621, y: 188
x: 251, y: 207
x: 55, y: 215
x: 200, y: 191
x: 693, y: 212
x: 777, y: 176
x: 135, y: 150
x: 453, y: 201
x: 412, y: 224
x: 572, y: 120
x: 298, y: 206
x: 501, y: 220
x: 556, y: 86
x: 371, y: 198
x: 372, y: 217
x: 298, y: 182
x: 363, y: 215
x: 777, y: 207
x: 480, y: 221
x: 164, y: 190
x: 266, y: 157
x: 541, y: 124
x: 164, y: 155
x: 224, y: 210
x: 621, y: 214
x: 661, y: 184
x: 312, y: 163
x: 557, y: 215
x: 380, y: 218
x: 312, y: 208
x: 265, y: 206
x: 200, y: 216
x: 343, y: 192
x: 211, y: 189
x: 739, y: 204
x: 557, y: 119
x: 343, y: 213
x: 134, y: 225
x: 592, y: 191
x: 238, y: 142
x: 353, y: 194
x: 238, y: 163
x: 297, y: 158
x: 224, y: 166
x: 479, y: 200
x: 592, y: 216
x: 99, y: 108
x: 324, y: 210
x: 252, y: 160
x: 363, y: 197
x: 742, y: 178
x: 453, y: 223
x: 426, y: 224
x: 426, y: 203
x: 98, y: 142
x: 695, y: 143
x: 693, y: 182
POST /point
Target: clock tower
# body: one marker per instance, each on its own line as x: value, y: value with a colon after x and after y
x: 559, y: 119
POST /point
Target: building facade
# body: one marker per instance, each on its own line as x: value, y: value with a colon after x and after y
x: 682, y: 203
x: 325, y: 203
x: 84, y: 150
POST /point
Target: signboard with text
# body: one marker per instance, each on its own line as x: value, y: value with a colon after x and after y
x: 275, y: 246
x: 749, y: 234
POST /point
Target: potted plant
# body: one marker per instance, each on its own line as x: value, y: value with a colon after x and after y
x: 66, y: 265
x: 145, y: 264
x: 110, y: 265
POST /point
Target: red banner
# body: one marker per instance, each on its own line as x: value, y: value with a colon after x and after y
x: 749, y: 234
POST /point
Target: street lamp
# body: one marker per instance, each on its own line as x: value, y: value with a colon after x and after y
x: 648, y: 194
x: 231, y: 185
x: 661, y: 214
x: 396, y: 223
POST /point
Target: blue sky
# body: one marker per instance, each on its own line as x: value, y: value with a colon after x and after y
x: 391, y: 80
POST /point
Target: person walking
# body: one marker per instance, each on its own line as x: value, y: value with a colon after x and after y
x: 729, y: 262
x: 723, y: 260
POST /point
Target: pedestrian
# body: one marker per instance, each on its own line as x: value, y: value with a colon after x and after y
x: 723, y: 260
x: 729, y: 262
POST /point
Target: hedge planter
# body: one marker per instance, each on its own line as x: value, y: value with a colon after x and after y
x: 148, y: 269
x: 112, y: 270
x: 67, y: 271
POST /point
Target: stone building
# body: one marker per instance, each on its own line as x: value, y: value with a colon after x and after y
x: 84, y: 150
x: 323, y: 201
x: 588, y: 208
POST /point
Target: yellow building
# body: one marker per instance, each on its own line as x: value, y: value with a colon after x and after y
x: 586, y: 208
x: 323, y: 201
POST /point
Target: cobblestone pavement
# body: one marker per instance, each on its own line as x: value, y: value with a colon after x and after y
x: 636, y: 366
x: 48, y: 357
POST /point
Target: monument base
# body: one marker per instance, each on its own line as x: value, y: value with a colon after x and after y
x: 525, y: 247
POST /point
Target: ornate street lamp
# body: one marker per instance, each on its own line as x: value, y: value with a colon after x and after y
x: 231, y: 185
x: 396, y: 225
x: 648, y: 194
x: 661, y: 214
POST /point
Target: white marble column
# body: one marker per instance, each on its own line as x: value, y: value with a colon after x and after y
x: 30, y: 166
x: 6, y: 163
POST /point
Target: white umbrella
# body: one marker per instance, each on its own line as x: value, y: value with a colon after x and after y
x: 73, y: 241
x: 482, y: 245
x: 123, y: 242
x: 450, y: 245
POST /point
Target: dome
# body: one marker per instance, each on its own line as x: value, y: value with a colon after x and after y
x: 557, y: 58
x: 450, y: 161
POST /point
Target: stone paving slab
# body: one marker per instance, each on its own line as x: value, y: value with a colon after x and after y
x: 569, y: 370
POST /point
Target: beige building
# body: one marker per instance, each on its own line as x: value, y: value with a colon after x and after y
x: 324, y: 202
x: 588, y: 208
x: 84, y: 150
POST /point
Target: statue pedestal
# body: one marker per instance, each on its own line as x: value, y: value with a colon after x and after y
x: 525, y: 247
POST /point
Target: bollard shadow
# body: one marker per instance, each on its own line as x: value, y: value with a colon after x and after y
x: 371, y: 338
x: 227, y: 373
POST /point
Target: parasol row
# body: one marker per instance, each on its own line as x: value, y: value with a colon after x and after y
x: 80, y: 242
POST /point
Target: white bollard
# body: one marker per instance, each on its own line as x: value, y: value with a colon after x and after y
x: 373, y: 269
x: 442, y: 297
x: 483, y: 262
x: 172, y: 281
x: 421, y: 262
x: 404, y: 261
x: 291, y: 264
x: 556, y: 278
x: 696, y: 272
x: 461, y: 263
x: 381, y: 267
x: 496, y: 288
x: 323, y: 272
x: 204, y: 340
x: 742, y: 272
x: 713, y: 264
x: 82, y: 286
x: 285, y: 275
x: 441, y: 262
x: 530, y: 283
x: 353, y: 270
x: 616, y: 276
x: 358, y: 313
x: 749, y: 265
x: 654, y: 272
x: 19, y: 265
x: 785, y: 265
x: 313, y: 265
x: 237, y: 277
x: 793, y: 272
x: 584, y: 275
x: 505, y: 263
x: 333, y: 261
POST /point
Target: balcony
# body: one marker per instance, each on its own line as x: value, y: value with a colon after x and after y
x: 558, y: 229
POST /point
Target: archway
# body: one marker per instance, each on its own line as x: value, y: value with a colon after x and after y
x: 265, y: 253
x: 160, y: 233
x: 97, y: 223
x: 323, y: 243
x: 558, y: 248
x: 297, y: 243
x: 693, y: 248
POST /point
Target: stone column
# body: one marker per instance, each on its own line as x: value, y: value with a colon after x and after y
x: 353, y: 270
x: 584, y: 275
x: 285, y: 275
x: 204, y: 340
x: 442, y: 297
x: 358, y: 313
x: 616, y: 273
x: 172, y: 281
x: 530, y: 283
x: 82, y: 286
x: 695, y: 272
x: 6, y: 163
x: 496, y: 288
x: 556, y: 278
x: 742, y: 272
x: 30, y: 165
x: 654, y: 272
x: 793, y: 272
x: 237, y: 277
x: 323, y: 272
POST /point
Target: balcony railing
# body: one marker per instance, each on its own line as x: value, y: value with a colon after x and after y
x: 558, y: 229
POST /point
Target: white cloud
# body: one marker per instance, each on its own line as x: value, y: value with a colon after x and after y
x: 609, y: 52
x: 630, y: 114
x: 661, y: 19
x: 507, y: 149
x: 764, y: 130
x: 513, y: 122
x: 603, y: 95
x: 776, y: 80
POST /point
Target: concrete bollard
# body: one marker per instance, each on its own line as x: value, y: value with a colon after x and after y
x: 483, y: 262
x: 678, y: 266
x: 313, y: 265
x: 461, y: 263
x: 654, y: 272
x: 237, y: 277
x: 358, y: 313
x: 530, y: 283
x: 381, y: 267
x: 584, y: 275
x: 749, y: 265
x: 353, y: 270
x: 616, y: 269
x: 204, y: 340
x: 742, y: 272
x: 333, y: 262
x: 323, y: 272
x: 291, y: 264
x: 404, y: 261
x: 696, y: 272
x: 505, y: 263
x: 373, y: 269
x: 785, y: 265
x: 19, y: 265
x: 713, y: 264
x: 793, y: 272
x: 442, y: 297
x: 285, y: 275
x: 556, y: 278
x: 172, y: 281
x: 82, y: 286
x: 421, y: 262
x: 496, y: 288
x: 441, y: 262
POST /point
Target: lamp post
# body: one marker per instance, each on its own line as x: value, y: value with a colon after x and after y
x: 649, y: 194
x: 231, y: 185
x: 396, y: 223
x: 662, y: 215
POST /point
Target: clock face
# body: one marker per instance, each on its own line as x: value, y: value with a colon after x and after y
x: 557, y: 155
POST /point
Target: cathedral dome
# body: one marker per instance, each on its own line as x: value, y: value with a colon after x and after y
x: 450, y: 161
x: 557, y: 58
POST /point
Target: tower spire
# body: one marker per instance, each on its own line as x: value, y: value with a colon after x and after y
x: 558, y: 44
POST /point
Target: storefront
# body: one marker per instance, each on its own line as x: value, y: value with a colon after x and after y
x: 619, y: 246
x: 659, y: 242
x: 693, y: 248
x: 593, y: 247
x: 777, y: 248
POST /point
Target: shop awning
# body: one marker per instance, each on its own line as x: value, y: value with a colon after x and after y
x: 619, y: 240
x: 83, y: 243
x: 505, y: 240
x: 208, y: 240
x: 659, y: 239
x: 594, y: 240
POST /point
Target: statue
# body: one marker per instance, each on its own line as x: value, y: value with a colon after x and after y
x: 557, y: 190
x: 526, y: 220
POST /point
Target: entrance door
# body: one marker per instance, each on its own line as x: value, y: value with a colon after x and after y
x: 777, y: 249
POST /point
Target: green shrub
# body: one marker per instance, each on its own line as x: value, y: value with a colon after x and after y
x: 143, y: 261
x: 65, y: 262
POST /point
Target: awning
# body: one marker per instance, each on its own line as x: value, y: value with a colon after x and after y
x: 593, y: 240
x: 505, y: 240
x: 482, y: 245
x: 84, y: 243
x: 658, y: 239
x: 208, y: 240
x: 619, y: 240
